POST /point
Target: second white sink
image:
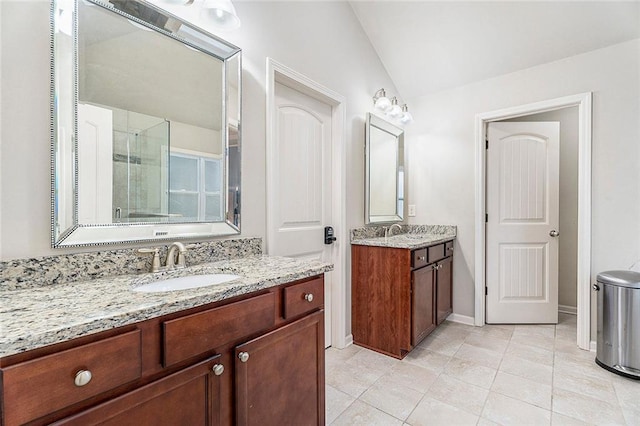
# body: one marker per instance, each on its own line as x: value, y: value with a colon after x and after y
x: 185, y: 283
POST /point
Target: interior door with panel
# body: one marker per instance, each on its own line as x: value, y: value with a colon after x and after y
x: 299, y: 182
x: 522, y: 222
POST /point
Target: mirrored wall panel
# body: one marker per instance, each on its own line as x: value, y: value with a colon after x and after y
x: 146, y: 126
x: 385, y: 177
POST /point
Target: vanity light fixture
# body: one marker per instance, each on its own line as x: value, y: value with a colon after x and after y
x: 391, y: 108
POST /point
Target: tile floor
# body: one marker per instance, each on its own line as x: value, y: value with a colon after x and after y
x: 459, y: 375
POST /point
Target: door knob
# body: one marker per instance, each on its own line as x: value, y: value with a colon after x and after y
x: 554, y: 233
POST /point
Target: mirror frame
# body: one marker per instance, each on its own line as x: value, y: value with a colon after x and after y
x: 78, y: 235
x: 373, y: 121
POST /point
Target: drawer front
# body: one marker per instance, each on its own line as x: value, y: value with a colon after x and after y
x: 436, y: 253
x: 35, y: 388
x: 303, y: 297
x: 419, y: 258
x: 198, y: 333
x: 448, y: 248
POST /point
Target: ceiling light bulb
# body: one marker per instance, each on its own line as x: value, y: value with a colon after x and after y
x: 380, y: 101
x: 221, y: 13
x: 395, y: 111
x: 406, y: 115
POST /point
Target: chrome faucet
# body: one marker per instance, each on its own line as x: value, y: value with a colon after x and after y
x: 389, y: 231
x: 172, y: 261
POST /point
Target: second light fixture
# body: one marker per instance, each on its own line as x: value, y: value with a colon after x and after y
x: 391, y: 108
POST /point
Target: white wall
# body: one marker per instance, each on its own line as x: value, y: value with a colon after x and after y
x: 568, y: 226
x: 442, y: 153
x: 322, y: 40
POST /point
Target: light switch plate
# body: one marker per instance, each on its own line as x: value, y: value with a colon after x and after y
x: 412, y: 210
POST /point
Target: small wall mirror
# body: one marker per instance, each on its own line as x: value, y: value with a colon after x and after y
x: 385, y: 178
x: 146, y: 126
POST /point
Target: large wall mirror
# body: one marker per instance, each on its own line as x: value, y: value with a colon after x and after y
x: 385, y: 177
x: 145, y: 126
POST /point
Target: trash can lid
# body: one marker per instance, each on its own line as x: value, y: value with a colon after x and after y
x: 620, y: 278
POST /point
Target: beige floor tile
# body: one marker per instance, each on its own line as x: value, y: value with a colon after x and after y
x: 627, y: 391
x: 412, y: 376
x: 392, y: 398
x: 508, y: 411
x: 351, y: 379
x: 558, y: 419
x: 586, y: 408
x: 480, y: 356
x: 335, y: 403
x: 453, y: 330
x: 529, y: 370
x: 360, y: 413
x: 425, y: 358
x: 431, y: 412
x: 546, y: 330
x: 486, y: 422
x: 531, y: 353
x: 632, y: 416
x: 487, y: 342
x: 334, y: 356
x: 370, y: 359
x: 584, y: 366
x: 577, y: 381
x: 498, y: 332
x: 470, y: 372
x: 537, y: 340
x: 525, y: 390
x: 458, y: 394
x: 442, y: 344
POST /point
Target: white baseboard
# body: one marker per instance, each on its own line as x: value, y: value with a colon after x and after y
x: 572, y: 310
x: 592, y: 346
x: 462, y: 319
x: 348, y: 341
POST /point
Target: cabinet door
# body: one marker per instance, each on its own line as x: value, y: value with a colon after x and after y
x: 280, y: 376
x: 188, y: 397
x: 444, y: 288
x: 422, y: 298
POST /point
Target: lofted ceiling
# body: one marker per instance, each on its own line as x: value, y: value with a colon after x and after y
x: 429, y: 46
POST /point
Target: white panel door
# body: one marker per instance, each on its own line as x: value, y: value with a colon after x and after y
x: 95, y: 164
x: 522, y: 223
x: 299, y: 182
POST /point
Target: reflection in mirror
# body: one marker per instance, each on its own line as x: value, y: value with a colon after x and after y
x: 384, y: 186
x: 155, y: 104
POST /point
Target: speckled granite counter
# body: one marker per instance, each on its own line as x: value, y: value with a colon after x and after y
x: 413, y: 236
x: 39, y: 316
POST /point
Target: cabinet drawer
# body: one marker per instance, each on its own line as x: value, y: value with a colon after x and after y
x: 303, y: 297
x: 34, y: 388
x: 198, y: 333
x: 418, y: 258
x: 448, y: 248
x: 436, y: 253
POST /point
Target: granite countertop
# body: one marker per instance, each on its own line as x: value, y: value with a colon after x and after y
x: 406, y: 241
x: 35, y: 317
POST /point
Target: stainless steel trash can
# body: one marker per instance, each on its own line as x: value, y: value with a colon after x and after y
x: 618, y: 347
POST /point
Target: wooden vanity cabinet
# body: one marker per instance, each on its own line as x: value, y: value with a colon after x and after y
x: 398, y: 295
x: 183, y: 368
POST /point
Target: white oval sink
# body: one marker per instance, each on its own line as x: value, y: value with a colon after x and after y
x: 185, y: 283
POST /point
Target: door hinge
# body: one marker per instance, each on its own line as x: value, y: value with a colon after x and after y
x: 486, y: 142
x: 486, y: 290
x: 486, y: 217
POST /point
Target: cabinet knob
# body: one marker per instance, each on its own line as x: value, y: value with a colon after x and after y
x: 218, y: 369
x: 308, y: 297
x: 422, y: 257
x: 450, y: 248
x: 83, y: 377
x: 243, y: 356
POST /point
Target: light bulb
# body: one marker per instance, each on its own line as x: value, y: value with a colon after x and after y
x: 395, y: 111
x: 221, y: 13
x: 406, y: 115
x: 383, y: 104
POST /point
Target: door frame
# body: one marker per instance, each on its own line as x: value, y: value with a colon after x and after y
x: 279, y: 73
x: 584, y: 103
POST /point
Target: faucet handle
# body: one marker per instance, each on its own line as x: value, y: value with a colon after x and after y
x: 155, y: 262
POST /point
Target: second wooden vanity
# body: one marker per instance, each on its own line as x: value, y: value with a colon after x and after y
x: 399, y: 295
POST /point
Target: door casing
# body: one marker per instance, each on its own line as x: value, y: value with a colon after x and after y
x: 584, y: 103
x: 277, y: 72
